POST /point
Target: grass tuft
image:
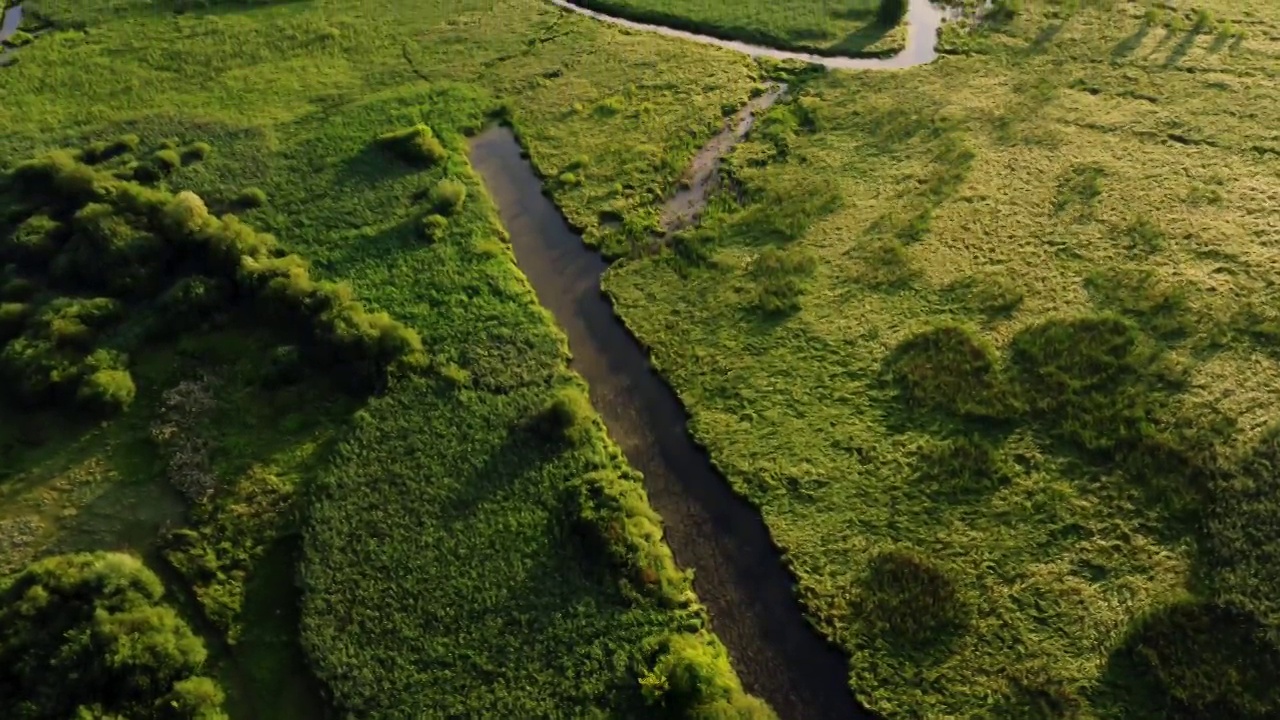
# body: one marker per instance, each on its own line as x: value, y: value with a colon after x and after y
x: 949, y: 368
x: 417, y: 145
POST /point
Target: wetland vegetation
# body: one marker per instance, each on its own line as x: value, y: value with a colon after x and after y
x: 990, y: 345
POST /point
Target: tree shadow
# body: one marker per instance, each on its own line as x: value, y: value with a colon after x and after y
x: 1183, y: 47
x: 1046, y: 36
x: 1126, y: 47
x: 857, y: 42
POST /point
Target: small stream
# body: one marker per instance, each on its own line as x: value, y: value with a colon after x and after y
x: 8, y: 26
x: 923, y: 20
x: 738, y: 572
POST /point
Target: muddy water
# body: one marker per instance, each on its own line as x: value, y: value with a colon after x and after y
x: 684, y: 208
x: 738, y: 572
x: 923, y: 21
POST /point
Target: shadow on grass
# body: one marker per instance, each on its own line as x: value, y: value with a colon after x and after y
x: 856, y: 43
x: 1183, y: 47
x: 1126, y: 47
x: 1045, y: 37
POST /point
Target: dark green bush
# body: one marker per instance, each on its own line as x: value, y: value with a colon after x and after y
x: 18, y: 289
x: 192, y: 301
x: 417, y: 145
x: 448, y: 196
x: 567, y: 417
x: 35, y: 242
x: 166, y: 161
x: 109, y: 252
x: 950, y: 368
x: 909, y: 601
x: 434, y: 227
x: 251, y: 197
x: 196, y: 152
x: 88, y: 635
x: 108, y: 149
x: 12, y: 317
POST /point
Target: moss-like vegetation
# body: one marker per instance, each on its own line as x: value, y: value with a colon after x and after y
x: 909, y: 602
x: 950, y: 368
x: 417, y: 145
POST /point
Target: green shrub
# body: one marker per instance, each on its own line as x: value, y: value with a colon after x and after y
x: 35, y: 242
x: 417, y: 145
x: 18, y: 289
x: 251, y: 197
x: 88, y: 635
x: 190, y: 302
x: 166, y: 161
x: 434, y: 227
x: 692, y: 678
x: 107, y: 390
x: 567, y: 417
x: 891, y: 12
x: 196, y: 152
x: 448, y: 196
x: 950, y: 368
x: 108, y: 149
x: 110, y: 252
x: 12, y: 317
x: 909, y: 601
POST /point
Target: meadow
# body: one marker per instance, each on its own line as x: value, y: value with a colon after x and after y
x: 449, y: 535
x: 991, y: 343
x: 836, y: 27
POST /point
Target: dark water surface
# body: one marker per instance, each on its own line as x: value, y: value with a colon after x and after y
x: 739, y: 574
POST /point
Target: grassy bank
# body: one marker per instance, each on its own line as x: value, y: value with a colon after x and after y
x: 516, y: 571
x: 853, y: 28
x: 990, y: 345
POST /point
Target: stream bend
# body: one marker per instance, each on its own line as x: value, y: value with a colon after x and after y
x: 923, y: 21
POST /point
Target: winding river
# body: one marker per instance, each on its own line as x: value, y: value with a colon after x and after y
x: 923, y: 21
x: 739, y: 573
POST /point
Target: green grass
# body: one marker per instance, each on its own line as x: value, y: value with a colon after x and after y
x: 1035, y: 353
x: 839, y: 27
x: 538, y: 563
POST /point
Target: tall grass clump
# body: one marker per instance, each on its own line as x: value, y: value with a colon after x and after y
x: 567, y: 417
x: 417, y: 145
x: 448, y: 196
x: 691, y: 678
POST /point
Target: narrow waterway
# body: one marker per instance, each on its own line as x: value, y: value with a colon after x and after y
x: 738, y: 572
x: 923, y: 21
x: 8, y: 26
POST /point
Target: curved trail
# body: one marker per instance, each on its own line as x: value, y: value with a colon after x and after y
x: 923, y: 20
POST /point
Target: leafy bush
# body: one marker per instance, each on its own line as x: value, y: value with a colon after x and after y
x: 950, y: 368
x: 87, y: 635
x: 196, y: 151
x: 692, y: 678
x: 35, y: 242
x: 107, y: 390
x: 434, y: 226
x: 567, y: 417
x: 448, y: 196
x: 417, y: 145
x: 909, y: 601
x: 251, y: 197
x: 108, y: 149
x: 166, y: 161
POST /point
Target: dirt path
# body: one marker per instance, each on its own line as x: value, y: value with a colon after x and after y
x: 683, y: 209
x: 923, y: 20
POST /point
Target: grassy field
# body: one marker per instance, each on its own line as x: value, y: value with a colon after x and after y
x: 838, y: 27
x: 992, y: 344
x: 447, y: 559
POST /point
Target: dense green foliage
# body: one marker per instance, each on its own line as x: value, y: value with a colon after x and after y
x: 838, y: 27
x: 88, y: 635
